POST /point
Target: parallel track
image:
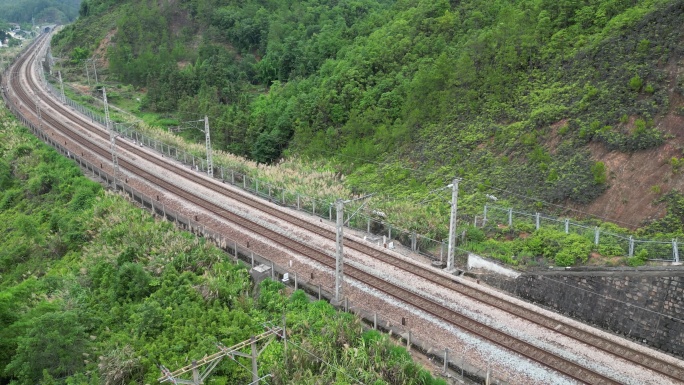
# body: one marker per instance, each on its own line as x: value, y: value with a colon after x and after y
x: 572, y: 370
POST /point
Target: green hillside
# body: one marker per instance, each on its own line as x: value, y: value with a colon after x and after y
x: 40, y: 11
x: 505, y: 93
x: 570, y: 108
x: 95, y: 291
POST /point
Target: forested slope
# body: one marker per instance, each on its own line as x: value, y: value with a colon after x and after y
x: 40, y: 11
x: 543, y: 99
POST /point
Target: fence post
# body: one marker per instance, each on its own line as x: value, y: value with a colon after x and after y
x: 295, y: 280
x: 413, y: 240
x: 232, y: 176
x: 536, y: 221
x: 368, y: 225
x: 298, y: 202
x: 446, y: 359
x: 596, y: 235
x: 375, y: 321
x: 675, y: 250
x: 484, y: 217
x: 631, y: 246
x: 408, y: 341
x: 330, y: 212
x: 389, y: 233
x: 257, y: 186
x: 284, y: 198
x: 244, y: 182
x: 510, y: 217
x: 313, y: 207
x: 567, y: 225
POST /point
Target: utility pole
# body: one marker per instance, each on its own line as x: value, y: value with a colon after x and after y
x: 38, y: 111
x: 339, y: 255
x: 112, y: 136
x: 207, y: 139
x: 339, y: 252
x: 61, y: 84
x: 210, y: 163
x: 452, y: 224
x: 94, y: 69
x: 285, y: 336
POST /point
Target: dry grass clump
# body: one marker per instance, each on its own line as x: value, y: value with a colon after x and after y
x: 308, y: 178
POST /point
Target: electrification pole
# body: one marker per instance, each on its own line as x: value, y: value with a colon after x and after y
x: 38, y: 111
x: 339, y: 251
x: 207, y: 139
x: 95, y: 70
x: 112, y: 136
x: 61, y: 84
x: 339, y: 255
x: 452, y: 224
x: 210, y: 163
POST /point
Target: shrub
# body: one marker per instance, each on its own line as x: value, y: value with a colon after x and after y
x: 639, y: 259
x: 610, y: 249
x: 474, y: 234
x: 636, y: 83
x: 599, y: 172
x: 563, y: 249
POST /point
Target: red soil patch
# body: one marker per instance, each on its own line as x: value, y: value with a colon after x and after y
x: 637, y: 179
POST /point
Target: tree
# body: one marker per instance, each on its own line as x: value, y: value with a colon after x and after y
x: 54, y: 342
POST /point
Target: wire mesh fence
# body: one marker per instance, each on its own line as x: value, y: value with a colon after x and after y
x: 611, y: 243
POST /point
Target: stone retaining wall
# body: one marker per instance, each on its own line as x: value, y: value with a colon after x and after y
x: 645, y: 306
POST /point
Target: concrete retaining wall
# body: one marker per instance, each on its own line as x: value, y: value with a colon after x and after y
x: 644, y: 305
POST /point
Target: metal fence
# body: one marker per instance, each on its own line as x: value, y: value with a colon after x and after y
x: 614, y: 243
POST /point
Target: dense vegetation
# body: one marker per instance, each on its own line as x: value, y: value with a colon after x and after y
x: 400, y: 96
x: 437, y: 84
x: 40, y: 11
x: 94, y: 290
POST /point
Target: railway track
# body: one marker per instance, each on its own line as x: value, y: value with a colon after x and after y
x: 570, y: 369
